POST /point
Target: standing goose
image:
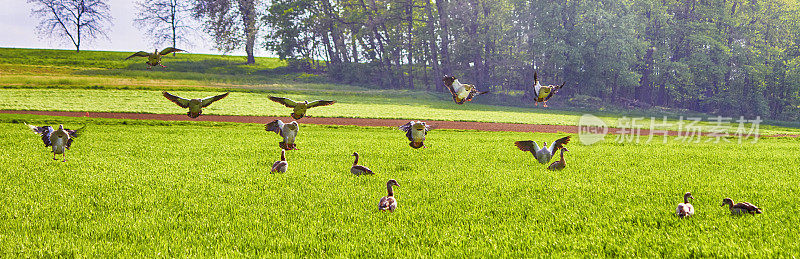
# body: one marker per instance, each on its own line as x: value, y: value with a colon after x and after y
x: 154, y: 59
x: 543, y: 93
x: 544, y: 154
x: 388, y: 202
x: 461, y: 92
x: 60, y: 140
x: 359, y: 169
x: 560, y: 164
x: 287, y: 131
x: 281, y: 165
x: 195, y: 105
x: 685, y: 209
x: 415, y: 132
x: 300, y: 107
x: 742, y: 207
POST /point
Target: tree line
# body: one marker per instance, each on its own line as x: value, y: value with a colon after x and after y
x: 727, y: 57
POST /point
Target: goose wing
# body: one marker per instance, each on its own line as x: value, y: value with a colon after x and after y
x: 208, y: 100
x: 42, y: 131
x: 168, y: 51
x: 536, y: 85
x: 180, y: 101
x: 285, y: 101
x: 274, y: 126
x: 555, y: 89
x: 528, y: 145
x: 139, y: 54
x: 406, y: 127
x: 363, y: 169
x: 71, y: 134
x: 558, y: 144
x: 746, y: 206
x: 320, y: 103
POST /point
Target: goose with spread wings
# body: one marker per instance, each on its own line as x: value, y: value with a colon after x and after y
x: 545, y: 153
x: 154, y: 59
x: 415, y: 132
x: 461, y: 92
x: 299, y: 108
x: 543, y: 93
x: 195, y: 105
x: 59, y: 139
x: 286, y: 130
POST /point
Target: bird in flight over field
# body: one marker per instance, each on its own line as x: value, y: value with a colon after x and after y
x: 195, y: 105
x: 154, y: 59
x: 299, y: 108
x: 59, y: 140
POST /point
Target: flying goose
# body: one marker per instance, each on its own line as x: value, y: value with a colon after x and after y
x: 60, y: 140
x: 154, y: 59
x: 415, y: 132
x: 461, y: 92
x: 560, y: 164
x: 300, y: 107
x: 685, y: 209
x: 543, y: 93
x: 359, y: 169
x: 281, y: 165
x: 195, y: 105
x: 287, y: 131
x: 742, y: 207
x: 544, y: 154
x: 388, y: 202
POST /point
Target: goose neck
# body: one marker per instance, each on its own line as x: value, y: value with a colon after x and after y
x: 389, y: 189
x: 356, y: 162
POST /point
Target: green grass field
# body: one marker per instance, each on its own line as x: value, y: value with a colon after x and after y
x: 202, y: 188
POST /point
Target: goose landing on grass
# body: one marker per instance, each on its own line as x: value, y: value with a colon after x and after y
x: 543, y: 154
x: 154, y: 59
x: 299, y: 108
x: 59, y: 140
x: 415, y: 132
x: 286, y: 130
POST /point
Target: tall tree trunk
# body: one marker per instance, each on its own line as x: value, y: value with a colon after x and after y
x: 409, y: 44
x: 441, y: 8
x: 434, y: 57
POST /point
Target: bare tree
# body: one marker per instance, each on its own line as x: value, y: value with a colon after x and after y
x: 164, y: 20
x: 230, y: 22
x: 73, y: 19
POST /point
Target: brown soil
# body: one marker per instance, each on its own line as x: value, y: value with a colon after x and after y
x: 464, y: 125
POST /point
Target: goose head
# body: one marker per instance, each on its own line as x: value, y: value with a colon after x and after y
x: 354, y: 154
x: 60, y: 127
x: 448, y: 80
x: 392, y: 182
x: 687, y: 196
x: 544, y: 145
x: 727, y: 201
x: 292, y: 126
x: 418, y: 126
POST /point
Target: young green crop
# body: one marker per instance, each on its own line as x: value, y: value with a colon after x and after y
x: 150, y: 188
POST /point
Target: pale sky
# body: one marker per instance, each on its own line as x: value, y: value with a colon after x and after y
x: 18, y: 30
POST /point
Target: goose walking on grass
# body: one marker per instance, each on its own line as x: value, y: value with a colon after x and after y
x: 286, y: 130
x: 154, y: 59
x: 543, y: 154
x: 461, y: 92
x: 195, y: 105
x: 299, y: 108
x: 560, y: 164
x: 685, y: 209
x: 281, y: 165
x: 357, y: 169
x: 388, y: 202
x: 543, y: 93
x: 415, y: 132
x: 740, y: 208
x: 59, y: 140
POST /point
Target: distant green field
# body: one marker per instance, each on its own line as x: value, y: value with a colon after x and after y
x: 204, y: 189
x: 97, y: 81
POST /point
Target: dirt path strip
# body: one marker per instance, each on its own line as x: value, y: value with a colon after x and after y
x: 464, y: 125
